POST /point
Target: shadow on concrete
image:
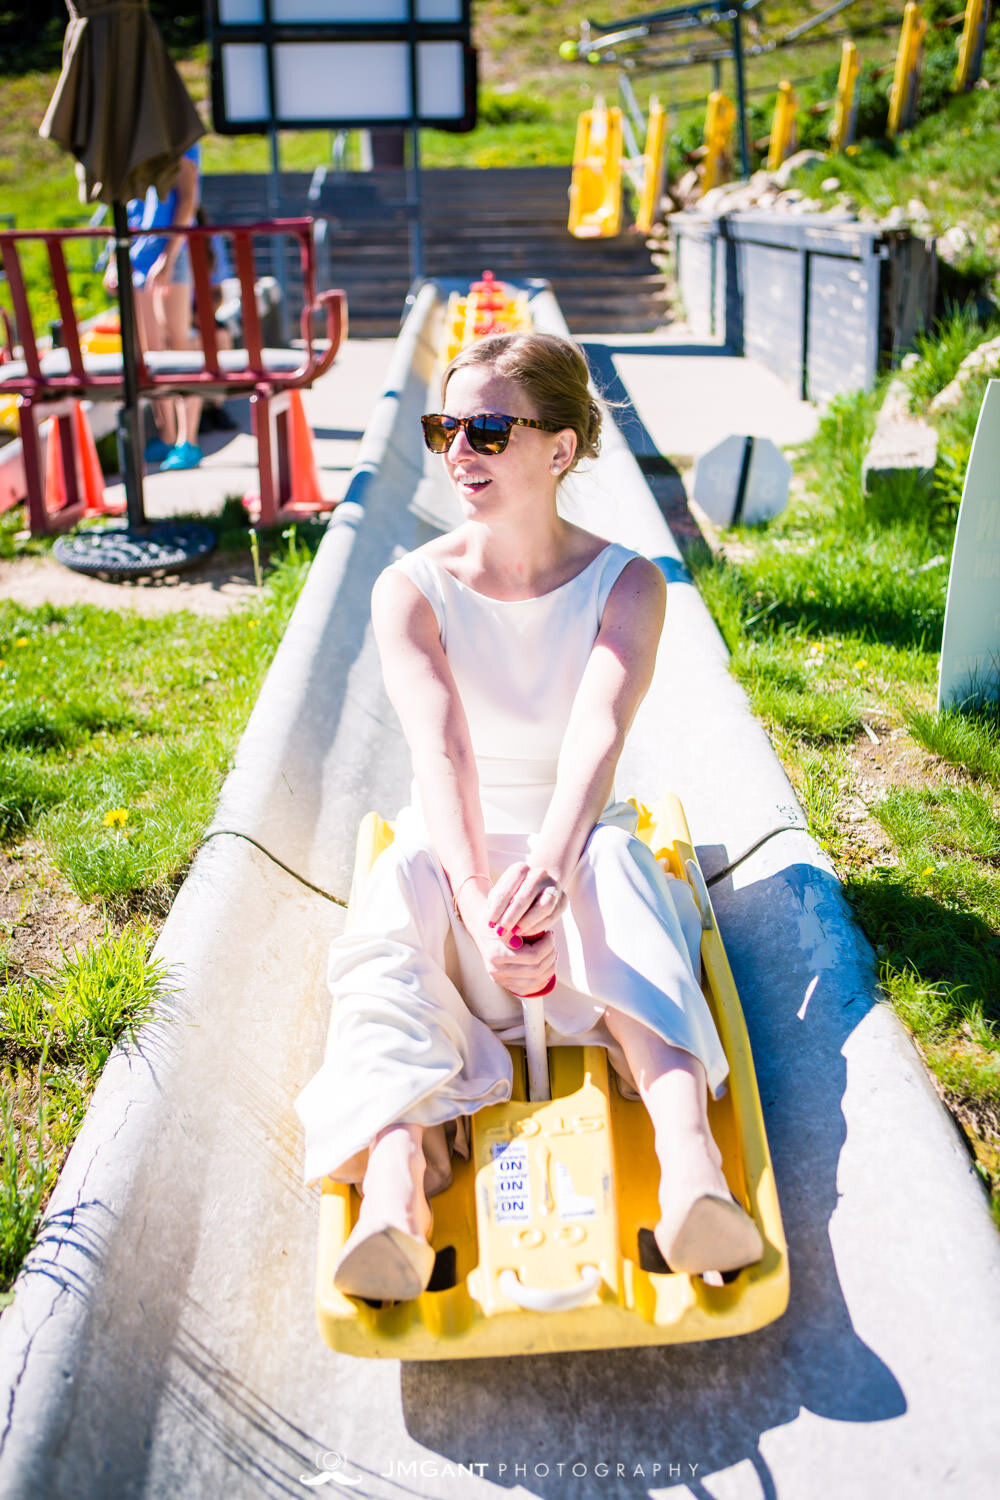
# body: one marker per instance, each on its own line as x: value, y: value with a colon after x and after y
x: 661, y: 474
x: 707, y: 1404
x: 601, y: 359
x: 337, y: 434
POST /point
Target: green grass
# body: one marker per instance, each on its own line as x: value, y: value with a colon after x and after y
x: 940, y: 352
x: 970, y: 739
x: 57, y: 1032
x: 73, y: 1018
x: 791, y: 689
x: 818, y: 783
x: 116, y: 732
x: 833, y: 614
x: 24, y: 1180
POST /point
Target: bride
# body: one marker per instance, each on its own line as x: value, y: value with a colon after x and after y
x: 515, y: 650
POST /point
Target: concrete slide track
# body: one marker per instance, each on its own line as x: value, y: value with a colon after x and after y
x: 162, y: 1341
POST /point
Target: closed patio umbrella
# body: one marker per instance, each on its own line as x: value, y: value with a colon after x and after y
x: 120, y: 106
x: 121, y: 109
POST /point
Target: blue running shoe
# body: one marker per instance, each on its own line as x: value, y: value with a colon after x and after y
x: 182, y: 456
x: 156, y: 451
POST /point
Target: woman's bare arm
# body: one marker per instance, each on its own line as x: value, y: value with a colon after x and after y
x: 422, y: 690
x: 615, y: 681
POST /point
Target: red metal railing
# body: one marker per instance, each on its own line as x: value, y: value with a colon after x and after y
x: 90, y: 377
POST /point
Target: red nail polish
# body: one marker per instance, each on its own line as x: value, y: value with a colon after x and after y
x: 515, y: 941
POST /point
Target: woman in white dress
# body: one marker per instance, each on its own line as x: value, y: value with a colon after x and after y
x: 515, y: 649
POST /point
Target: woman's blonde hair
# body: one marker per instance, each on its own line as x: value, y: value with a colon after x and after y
x: 554, y: 375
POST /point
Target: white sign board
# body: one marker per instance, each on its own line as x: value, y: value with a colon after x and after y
x: 970, y: 647
x: 356, y: 81
x: 742, y: 480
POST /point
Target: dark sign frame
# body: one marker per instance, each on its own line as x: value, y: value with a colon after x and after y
x: 271, y: 34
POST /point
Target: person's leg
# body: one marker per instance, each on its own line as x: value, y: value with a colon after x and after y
x: 701, y: 1228
x: 189, y: 419
x: 152, y: 335
x: 177, y: 322
x: 393, y: 1190
x: 387, y: 1256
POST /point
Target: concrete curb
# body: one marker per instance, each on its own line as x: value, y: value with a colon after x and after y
x: 162, y: 1339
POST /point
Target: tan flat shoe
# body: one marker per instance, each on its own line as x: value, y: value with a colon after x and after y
x: 384, y: 1264
x: 712, y: 1234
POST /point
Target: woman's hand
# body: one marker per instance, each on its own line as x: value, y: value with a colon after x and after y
x: 525, y: 901
x: 518, y: 962
x: 159, y: 273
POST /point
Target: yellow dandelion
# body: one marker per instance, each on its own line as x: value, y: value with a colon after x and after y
x: 116, y: 818
x: 22, y: 640
x: 929, y: 871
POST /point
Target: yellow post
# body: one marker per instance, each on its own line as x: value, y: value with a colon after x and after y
x: 906, y: 78
x: 846, y: 109
x: 970, y: 47
x: 720, y: 118
x: 783, y: 131
x: 595, y: 194
x: 652, y: 166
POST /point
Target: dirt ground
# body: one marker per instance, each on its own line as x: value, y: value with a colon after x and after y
x: 211, y: 587
x: 41, y: 917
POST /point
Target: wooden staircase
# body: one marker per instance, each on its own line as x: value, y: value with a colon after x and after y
x: 511, y: 221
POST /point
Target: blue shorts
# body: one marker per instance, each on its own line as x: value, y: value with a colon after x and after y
x: 149, y: 254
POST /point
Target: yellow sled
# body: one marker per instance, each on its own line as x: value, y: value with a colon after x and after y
x: 544, y: 1238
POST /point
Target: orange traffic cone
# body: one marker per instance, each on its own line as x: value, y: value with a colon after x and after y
x: 90, y: 479
x: 306, y: 492
x: 55, y: 477
x: 90, y: 468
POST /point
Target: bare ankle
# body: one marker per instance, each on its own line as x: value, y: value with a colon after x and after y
x: 689, y: 1168
x: 393, y: 1190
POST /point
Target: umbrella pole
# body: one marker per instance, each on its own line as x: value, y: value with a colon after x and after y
x: 129, y: 444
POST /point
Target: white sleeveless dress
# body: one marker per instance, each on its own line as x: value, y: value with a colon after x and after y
x: 418, y: 1026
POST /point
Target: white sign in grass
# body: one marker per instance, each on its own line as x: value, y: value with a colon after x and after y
x: 742, y: 480
x: 970, y: 647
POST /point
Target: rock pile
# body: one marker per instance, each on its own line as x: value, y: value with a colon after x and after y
x: 983, y: 360
x: 764, y: 190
